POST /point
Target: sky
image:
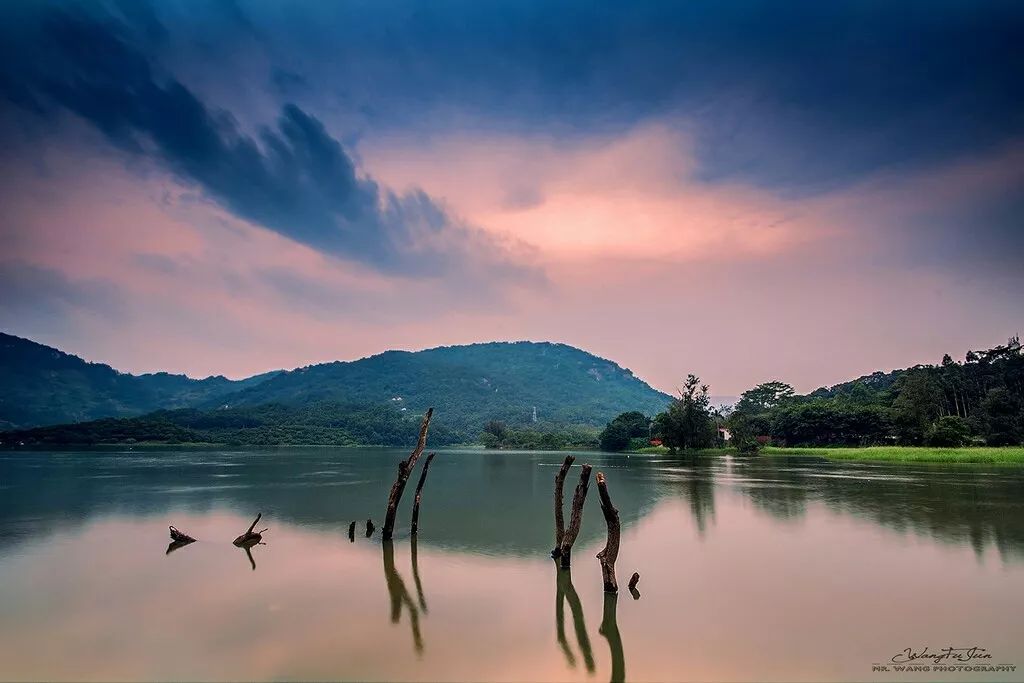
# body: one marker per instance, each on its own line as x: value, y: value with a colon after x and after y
x: 748, y: 191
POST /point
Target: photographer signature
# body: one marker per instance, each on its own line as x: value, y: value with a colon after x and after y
x: 949, y: 654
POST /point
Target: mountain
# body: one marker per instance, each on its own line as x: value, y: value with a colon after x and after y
x: 469, y: 385
x: 40, y: 385
x: 372, y: 400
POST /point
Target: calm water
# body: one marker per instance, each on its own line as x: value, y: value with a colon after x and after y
x: 751, y: 569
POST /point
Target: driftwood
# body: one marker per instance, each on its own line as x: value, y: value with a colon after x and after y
x: 352, y: 532
x: 633, y: 581
x: 250, y: 537
x: 576, y: 519
x: 404, y: 470
x: 178, y: 540
x: 610, y: 552
x: 369, y: 528
x: 419, y: 493
x: 559, y: 518
x: 180, y: 536
x: 610, y: 630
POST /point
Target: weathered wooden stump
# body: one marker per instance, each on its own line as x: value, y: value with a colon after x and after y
x: 179, y: 539
x: 633, y: 581
x: 250, y: 537
x: 369, y: 528
x: 419, y: 493
x: 559, y: 493
x: 610, y: 553
x: 576, y: 519
x: 405, y: 468
x: 180, y: 536
x: 352, y: 532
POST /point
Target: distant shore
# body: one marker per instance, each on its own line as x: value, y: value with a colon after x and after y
x: 896, y: 454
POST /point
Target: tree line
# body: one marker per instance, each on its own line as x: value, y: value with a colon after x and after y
x: 979, y: 401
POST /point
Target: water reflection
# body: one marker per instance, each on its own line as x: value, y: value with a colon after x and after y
x: 976, y: 507
x: 964, y: 505
x: 413, y: 545
x: 610, y: 630
x: 565, y: 589
x: 247, y: 547
x: 399, y: 595
x: 174, y: 545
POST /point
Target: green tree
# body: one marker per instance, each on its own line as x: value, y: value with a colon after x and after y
x: 1001, y: 412
x: 617, y: 434
x: 688, y: 422
x: 614, y: 437
x: 948, y: 431
x: 918, y: 405
x: 763, y: 397
x: 743, y: 429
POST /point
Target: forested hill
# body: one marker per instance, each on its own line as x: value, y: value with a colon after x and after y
x: 40, y: 385
x: 470, y: 385
x: 373, y: 400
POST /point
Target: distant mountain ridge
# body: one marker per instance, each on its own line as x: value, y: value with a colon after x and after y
x: 520, y: 383
x: 41, y: 385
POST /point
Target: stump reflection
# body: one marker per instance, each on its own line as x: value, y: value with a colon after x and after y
x: 399, y: 595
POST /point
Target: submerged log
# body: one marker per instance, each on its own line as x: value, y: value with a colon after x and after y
x: 576, y: 519
x: 419, y: 493
x: 633, y: 581
x: 610, y: 552
x: 369, y: 528
x: 559, y: 494
x: 352, y: 532
x: 404, y: 470
x: 250, y: 537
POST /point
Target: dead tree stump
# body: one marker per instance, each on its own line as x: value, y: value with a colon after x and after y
x: 369, y: 528
x: 633, y: 581
x: 559, y: 505
x: 610, y: 552
x: 576, y: 519
x: 352, y: 532
x: 419, y: 493
x: 178, y: 540
x: 404, y: 470
x: 250, y: 537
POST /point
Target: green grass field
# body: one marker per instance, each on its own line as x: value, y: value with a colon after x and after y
x: 976, y: 454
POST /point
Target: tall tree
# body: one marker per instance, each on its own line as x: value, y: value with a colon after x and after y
x: 688, y: 422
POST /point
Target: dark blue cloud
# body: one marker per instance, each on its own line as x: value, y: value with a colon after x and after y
x: 294, y: 178
x: 799, y: 96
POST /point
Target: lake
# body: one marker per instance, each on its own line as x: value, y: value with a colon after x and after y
x: 751, y: 568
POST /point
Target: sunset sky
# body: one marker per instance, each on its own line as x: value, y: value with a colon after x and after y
x: 805, y: 191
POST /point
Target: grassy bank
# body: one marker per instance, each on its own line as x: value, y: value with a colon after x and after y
x: 1006, y: 455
